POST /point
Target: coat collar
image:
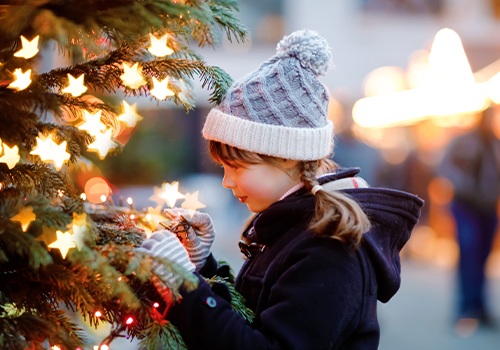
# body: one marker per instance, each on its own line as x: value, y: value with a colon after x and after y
x: 294, y: 210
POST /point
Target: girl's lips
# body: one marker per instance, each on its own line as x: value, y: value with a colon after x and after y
x: 242, y: 199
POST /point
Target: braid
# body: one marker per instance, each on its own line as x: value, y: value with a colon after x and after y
x: 336, y: 215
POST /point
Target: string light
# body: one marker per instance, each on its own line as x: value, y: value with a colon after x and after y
x: 83, y: 196
x: 98, y: 313
x: 30, y: 48
x: 23, y: 80
x: 104, y: 347
x: 129, y: 321
x: 159, y: 47
x: 103, y: 198
x: 160, y: 90
x: 48, y: 150
x: 156, y: 304
x: 132, y: 76
x: 75, y: 87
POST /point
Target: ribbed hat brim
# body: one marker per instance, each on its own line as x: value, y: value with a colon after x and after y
x: 273, y: 140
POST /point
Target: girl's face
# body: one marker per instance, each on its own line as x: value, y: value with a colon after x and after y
x: 258, y: 185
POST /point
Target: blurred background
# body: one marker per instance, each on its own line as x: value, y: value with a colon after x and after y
x: 415, y: 106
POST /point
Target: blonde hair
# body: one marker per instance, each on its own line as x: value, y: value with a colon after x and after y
x: 336, y: 215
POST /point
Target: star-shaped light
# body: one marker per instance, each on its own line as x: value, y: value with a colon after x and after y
x: 171, y: 194
x: 159, y: 46
x: 160, y: 90
x: 78, y: 236
x: 48, y: 150
x: 64, y: 243
x: 92, y: 123
x: 156, y: 197
x: 49, y: 235
x: 191, y: 202
x: 75, y: 87
x: 22, y: 81
x: 102, y: 143
x: 25, y: 216
x: 129, y: 116
x: 79, y: 220
x: 132, y: 76
x: 30, y: 48
x: 11, y: 155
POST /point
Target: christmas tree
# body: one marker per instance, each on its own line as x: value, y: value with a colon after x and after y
x: 57, y: 253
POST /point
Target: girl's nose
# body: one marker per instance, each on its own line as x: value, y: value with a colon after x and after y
x: 227, y: 181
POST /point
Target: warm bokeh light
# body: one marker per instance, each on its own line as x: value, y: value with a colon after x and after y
x: 102, y: 144
x: 161, y: 90
x: 98, y: 313
x: 55, y: 347
x: 129, y: 115
x: 92, y: 123
x: 130, y: 201
x: 159, y: 47
x: 129, y: 321
x: 30, y: 48
x: 192, y: 202
x: 64, y: 243
x: 25, y: 216
x: 493, y: 88
x: 95, y: 188
x: 103, y: 198
x: 104, y: 347
x: 23, y: 80
x: 395, y: 155
x: 75, y: 87
x: 384, y: 80
x: 155, y: 305
x: 83, y: 196
x: 50, y: 151
x: 10, y: 155
x: 336, y: 114
x: 452, y: 91
x: 171, y: 193
x: 132, y: 76
x: 448, y: 60
x: 440, y: 190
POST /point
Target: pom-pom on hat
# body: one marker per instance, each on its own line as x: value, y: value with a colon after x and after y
x: 281, y: 109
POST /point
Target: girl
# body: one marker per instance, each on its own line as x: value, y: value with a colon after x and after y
x: 322, y: 248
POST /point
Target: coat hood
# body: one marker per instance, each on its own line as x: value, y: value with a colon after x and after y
x: 393, y: 215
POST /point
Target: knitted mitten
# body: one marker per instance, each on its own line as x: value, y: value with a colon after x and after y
x: 200, y: 235
x: 165, y: 244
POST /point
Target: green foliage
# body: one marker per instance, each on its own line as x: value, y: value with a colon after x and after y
x: 102, y: 271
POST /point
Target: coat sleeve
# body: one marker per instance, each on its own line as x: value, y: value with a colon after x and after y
x: 313, y: 304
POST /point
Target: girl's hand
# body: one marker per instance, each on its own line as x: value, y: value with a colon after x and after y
x: 199, y: 236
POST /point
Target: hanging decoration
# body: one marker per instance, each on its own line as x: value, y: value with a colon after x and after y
x: 30, y: 48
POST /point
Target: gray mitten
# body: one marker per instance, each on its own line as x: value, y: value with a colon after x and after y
x: 200, y: 235
x: 165, y: 244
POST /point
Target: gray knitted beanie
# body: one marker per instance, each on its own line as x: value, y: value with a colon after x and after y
x: 281, y: 109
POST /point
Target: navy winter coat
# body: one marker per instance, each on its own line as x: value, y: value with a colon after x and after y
x: 307, y: 292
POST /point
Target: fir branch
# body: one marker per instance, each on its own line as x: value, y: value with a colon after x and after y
x: 161, y: 335
x: 228, y: 22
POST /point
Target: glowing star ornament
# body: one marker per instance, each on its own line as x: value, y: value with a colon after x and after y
x: 48, y: 150
x: 23, y: 80
x: 171, y: 194
x: 132, y: 76
x: 30, y: 48
x: 49, y: 235
x: 191, y: 203
x: 64, y: 243
x: 129, y: 116
x: 159, y: 47
x: 156, y: 197
x: 78, y: 236
x: 10, y: 156
x: 160, y: 90
x: 92, y: 123
x: 25, y: 217
x: 75, y: 87
x: 102, y: 143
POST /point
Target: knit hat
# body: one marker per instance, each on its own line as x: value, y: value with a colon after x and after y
x: 281, y: 109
